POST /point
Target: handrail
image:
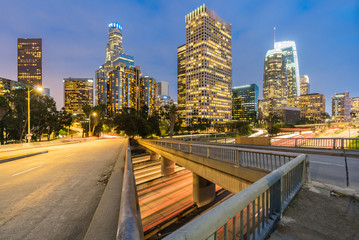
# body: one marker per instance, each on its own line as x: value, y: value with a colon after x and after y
x: 328, y: 143
x: 129, y: 223
x: 254, y: 211
x: 233, y: 155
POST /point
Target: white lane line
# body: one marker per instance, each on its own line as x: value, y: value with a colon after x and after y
x: 338, y: 165
x: 69, y: 155
x: 25, y: 171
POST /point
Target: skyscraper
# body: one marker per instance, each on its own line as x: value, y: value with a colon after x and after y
x: 208, y: 66
x: 114, y: 57
x: 291, y: 63
x: 341, y: 107
x: 29, y: 61
x: 245, y: 102
x: 304, y: 85
x: 354, y: 103
x: 181, y: 79
x: 161, y: 88
x: 77, y: 93
x: 275, y: 84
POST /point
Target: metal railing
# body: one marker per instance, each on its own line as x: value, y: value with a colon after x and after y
x: 327, y: 143
x: 253, y: 212
x: 129, y: 222
x: 241, y: 157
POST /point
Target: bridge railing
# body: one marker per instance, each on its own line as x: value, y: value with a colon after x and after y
x: 241, y: 157
x: 129, y: 223
x: 253, y: 212
x: 328, y: 143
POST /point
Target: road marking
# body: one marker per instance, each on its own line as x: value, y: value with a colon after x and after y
x: 69, y: 155
x: 338, y: 165
x: 25, y: 171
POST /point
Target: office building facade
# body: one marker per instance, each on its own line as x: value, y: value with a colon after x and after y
x: 275, y: 84
x: 354, y: 103
x: 304, y: 85
x: 7, y: 85
x: 161, y: 88
x: 208, y: 60
x: 29, y: 61
x: 147, y: 93
x: 341, y: 107
x: 181, y: 81
x: 77, y: 93
x: 312, y: 106
x: 245, y: 102
x: 289, y: 50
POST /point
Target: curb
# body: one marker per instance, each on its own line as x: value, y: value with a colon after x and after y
x: 105, y: 220
x: 21, y: 156
x: 337, y: 190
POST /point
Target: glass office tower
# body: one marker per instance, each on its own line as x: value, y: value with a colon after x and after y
x: 245, y: 102
x: 29, y: 61
x: 77, y: 92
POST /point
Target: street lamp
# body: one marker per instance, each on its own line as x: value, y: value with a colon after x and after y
x: 39, y: 89
x: 93, y: 114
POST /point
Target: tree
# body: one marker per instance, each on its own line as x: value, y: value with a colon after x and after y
x: 4, y: 109
x: 273, y: 126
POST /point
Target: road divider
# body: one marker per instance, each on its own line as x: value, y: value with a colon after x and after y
x: 20, y: 156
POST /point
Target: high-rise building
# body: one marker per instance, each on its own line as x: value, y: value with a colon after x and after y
x: 7, y: 85
x: 77, y: 93
x: 355, y: 106
x: 312, y: 106
x: 46, y: 92
x: 122, y: 88
x: 245, y: 102
x: 181, y: 81
x: 208, y: 60
x: 288, y: 115
x: 161, y: 88
x: 291, y: 63
x: 147, y: 92
x: 114, y: 57
x: 341, y: 107
x: 29, y: 61
x: 304, y: 85
x: 275, y: 84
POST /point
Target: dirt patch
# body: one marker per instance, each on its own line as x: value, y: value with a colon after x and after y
x: 105, y: 177
x: 316, y: 214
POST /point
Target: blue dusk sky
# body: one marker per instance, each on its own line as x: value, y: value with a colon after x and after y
x: 74, y: 36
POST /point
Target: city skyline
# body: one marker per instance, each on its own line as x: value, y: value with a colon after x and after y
x: 74, y: 46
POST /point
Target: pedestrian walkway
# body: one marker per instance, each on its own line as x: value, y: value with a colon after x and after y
x: 321, y: 211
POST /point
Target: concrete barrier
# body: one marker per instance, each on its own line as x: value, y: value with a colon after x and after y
x: 254, y: 140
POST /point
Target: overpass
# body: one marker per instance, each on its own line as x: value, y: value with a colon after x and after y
x: 265, y: 183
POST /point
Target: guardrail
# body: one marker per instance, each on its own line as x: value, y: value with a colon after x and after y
x: 253, y: 212
x: 129, y: 223
x: 253, y: 158
x: 328, y: 143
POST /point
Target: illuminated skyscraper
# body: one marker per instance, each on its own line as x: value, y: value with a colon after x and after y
x: 77, y: 92
x: 304, y: 85
x: 181, y: 81
x: 7, y: 85
x: 291, y: 64
x: 122, y: 88
x: 29, y: 61
x: 275, y: 85
x: 208, y: 66
x: 341, y: 107
x: 355, y: 106
x: 245, y: 102
x: 115, y: 56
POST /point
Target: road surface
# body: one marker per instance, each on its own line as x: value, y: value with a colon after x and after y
x: 54, y: 195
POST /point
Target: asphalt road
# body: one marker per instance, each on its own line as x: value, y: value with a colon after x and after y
x: 54, y: 195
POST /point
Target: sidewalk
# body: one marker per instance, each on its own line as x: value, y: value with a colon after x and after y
x: 321, y: 211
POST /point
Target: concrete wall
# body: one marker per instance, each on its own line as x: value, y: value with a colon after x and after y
x: 254, y: 140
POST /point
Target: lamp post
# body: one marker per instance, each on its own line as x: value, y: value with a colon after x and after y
x: 39, y: 89
x: 93, y: 114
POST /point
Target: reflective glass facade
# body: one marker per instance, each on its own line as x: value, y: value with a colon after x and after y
x: 181, y: 81
x: 147, y: 92
x: 291, y: 62
x: 355, y: 106
x: 304, y: 85
x: 29, y: 61
x: 208, y: 61
x: 245, y: 102
x: 77, y: 92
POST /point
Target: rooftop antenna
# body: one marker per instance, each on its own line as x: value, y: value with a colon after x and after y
x: 274, y: 36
